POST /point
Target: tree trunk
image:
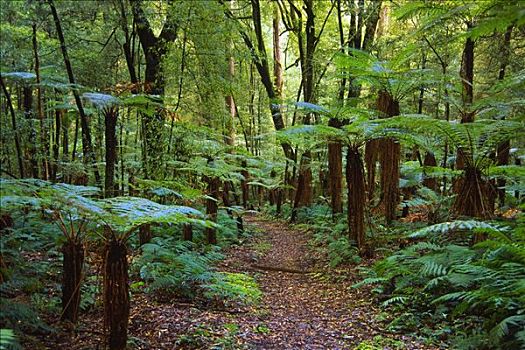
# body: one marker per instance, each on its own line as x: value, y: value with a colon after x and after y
x: 73, y: 252
x: 154, y: 48
x: 358, y: 39
x: 145, y: 234
x: 389, y: 156
x: 245, y: 188
x: 504, y: 147
x: 335, y: 170
x: 303, y: 193
x: 430, y: 160
x: 259, y: 59
x: 116, y: 294
x: 473, y: 195
x: 65, y: 138
x: 15, y: 129
x: 467, y: 79
x: 110, y: 120
x: 56, y: 144
x: 28, y: 113
x: 187, y: 232
x: 126, y: 47
x: 355, y: 181
x: 212, y: 207
x: 44, y: 141
x: 229, y: 135
x: 87, y: 148
x: 371, y: 158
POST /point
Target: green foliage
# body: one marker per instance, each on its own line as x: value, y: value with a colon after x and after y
x: 8, y: 340
x: 341, y: 250
x: 233, y: 287
x: 20, y: 316
x: 169, y: 266
x: 379, y: 343
x: 460, y: 281
x: 172, y: 267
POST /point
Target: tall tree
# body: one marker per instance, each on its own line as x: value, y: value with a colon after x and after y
x: 110, y: 121
x: 44, y: 140
x: 16, y: 136
x: 360, y: 36
x: 87, y: 148
x: 260, y: 60
x: 154, y: 48
x: 504, y: 148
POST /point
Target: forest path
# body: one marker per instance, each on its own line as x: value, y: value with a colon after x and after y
x: 301, y: 308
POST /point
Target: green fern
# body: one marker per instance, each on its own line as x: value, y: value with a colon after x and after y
x: 395, y: 300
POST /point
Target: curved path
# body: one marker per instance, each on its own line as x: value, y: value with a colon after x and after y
x: 301, y: 307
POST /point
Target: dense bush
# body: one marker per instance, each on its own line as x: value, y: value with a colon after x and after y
x: 171, y: 267
x: 445, y: 279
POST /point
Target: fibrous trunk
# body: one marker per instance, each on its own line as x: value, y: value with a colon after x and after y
x: 371, y: 157
x: 116, y: 294
x: 187, y: 232
x: 389, y: 155
x: 73, y: 252
x: 110, y: 120
x: 335, y: 165
x: 303, y: 193
x: 145, y: 234
x: 473, y: 195
x: 430, y: 182
x: 355, y: 181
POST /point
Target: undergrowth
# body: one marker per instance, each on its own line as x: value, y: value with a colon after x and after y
x: 472, y: 295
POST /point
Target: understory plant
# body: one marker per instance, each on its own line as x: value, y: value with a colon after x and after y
x: 445, y: 275
x: 118, y: 219
x: 168, y: 267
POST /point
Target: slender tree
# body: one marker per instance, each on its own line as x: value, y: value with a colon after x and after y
x: 89, y: 155
x: 154, y: 48
x: 18, y: 148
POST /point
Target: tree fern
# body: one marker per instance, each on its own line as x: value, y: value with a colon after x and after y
x: 452, y: 226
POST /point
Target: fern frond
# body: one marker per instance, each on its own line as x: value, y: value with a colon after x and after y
x: 395, y: 300
x: 447, y: 227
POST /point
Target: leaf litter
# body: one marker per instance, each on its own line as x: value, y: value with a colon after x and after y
x: 301, y: 308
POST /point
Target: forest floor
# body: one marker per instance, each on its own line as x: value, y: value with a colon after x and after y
x: 304, y: 305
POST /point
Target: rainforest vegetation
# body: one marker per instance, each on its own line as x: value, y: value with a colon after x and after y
x: 262, y: 174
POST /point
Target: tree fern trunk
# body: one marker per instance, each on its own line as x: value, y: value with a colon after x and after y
x: 389, y: 156
x: 145, y: 234
x: 116, y: 294
x: 473, y: 195
x: 371, y: 157
x: 187, y: 232
x: 335, y: 168
x: 73, y: 252
x: 110, y: 121
x: 430, y: 160
x: 355, y: 181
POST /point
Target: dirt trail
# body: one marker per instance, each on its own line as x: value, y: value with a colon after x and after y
x: 305, y: 310
x: 300, y: 309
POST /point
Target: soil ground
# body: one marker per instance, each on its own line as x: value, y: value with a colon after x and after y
x: 304, y: 306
